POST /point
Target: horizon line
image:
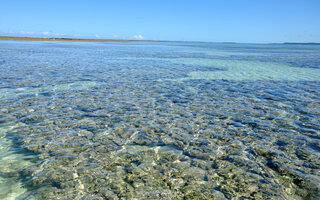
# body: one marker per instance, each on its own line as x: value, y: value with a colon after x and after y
x: 23, y: 38
x: 70, y: 39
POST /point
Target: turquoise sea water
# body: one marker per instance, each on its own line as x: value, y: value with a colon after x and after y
x: 159, y: 121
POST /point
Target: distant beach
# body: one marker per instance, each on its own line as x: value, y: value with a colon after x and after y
x: 61, y: 39
x: 85, y: 40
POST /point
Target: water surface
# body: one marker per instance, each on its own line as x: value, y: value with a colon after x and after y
x: 159, y: 121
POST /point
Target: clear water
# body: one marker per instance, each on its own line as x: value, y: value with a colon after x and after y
x: 159, y: 121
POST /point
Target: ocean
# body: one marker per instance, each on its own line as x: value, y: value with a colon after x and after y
x: 159, y: 120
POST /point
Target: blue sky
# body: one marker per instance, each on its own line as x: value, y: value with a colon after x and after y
x: 256, y: 21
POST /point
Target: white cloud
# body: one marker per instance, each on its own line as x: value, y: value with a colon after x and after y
x: 26, y: 32
x: 97, y: 36
x: 36, y: 34
x: 48, y: 33
x: 6, y: 32
x: 138, y: 37
x: 45, y: 33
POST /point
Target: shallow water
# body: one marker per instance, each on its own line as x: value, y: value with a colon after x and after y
x: 159, y: 121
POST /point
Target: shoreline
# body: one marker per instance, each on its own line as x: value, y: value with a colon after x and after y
x: 114, y: 40
x: 61, y: 39
x: 84, y: 40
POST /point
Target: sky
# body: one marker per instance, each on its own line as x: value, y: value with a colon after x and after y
x: 245, y: 21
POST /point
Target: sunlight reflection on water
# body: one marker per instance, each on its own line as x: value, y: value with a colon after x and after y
x: 159, y: 120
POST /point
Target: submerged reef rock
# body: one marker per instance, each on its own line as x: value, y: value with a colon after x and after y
x: 193, y: 150
x: 159, y: 121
